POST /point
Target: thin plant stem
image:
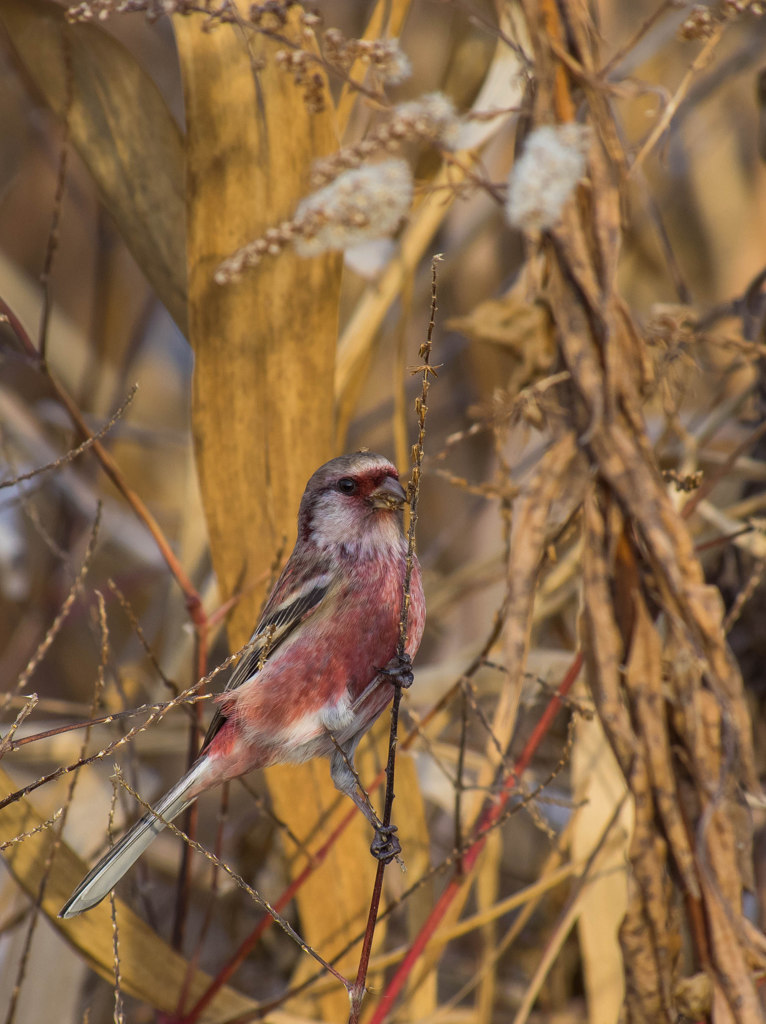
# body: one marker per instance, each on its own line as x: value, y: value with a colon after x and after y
x: 492, y: 809
x: 421, y: 405
x: 110, y: 467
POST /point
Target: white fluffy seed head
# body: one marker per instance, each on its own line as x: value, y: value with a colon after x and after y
x: 392, y: 62
x: 546, y: 174
x: 432, y: 116
x: 363, y: 204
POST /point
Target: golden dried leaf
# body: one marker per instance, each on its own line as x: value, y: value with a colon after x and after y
x: 693, y: 996
x: 599, y: 789
x: 122, y: 130
x: 263, y: 382
x: 649, y: 933
x: 521, y: 329
x: 511, y: 322
x: 150, y: 970
x: 643, y: 679
x: 602, y: 645
x: 529, y: 536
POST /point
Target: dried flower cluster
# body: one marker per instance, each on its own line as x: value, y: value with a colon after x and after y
x: 699, y: 23
x: 272, y: 14
x: 302, y: 65
x: 703, y: 19
x: 100, y: 10
x: 360, y: 205
x: 733, y: 8
x: 546, y: 174
x: 430, y: 118
x: 384, y: 55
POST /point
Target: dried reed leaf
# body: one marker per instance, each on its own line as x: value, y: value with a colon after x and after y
x: 122, y: 130
x: 624, y: 458
x: 629, y: 466
x: 600, y: 638
x: 646, y: 935
x: 643, y: 679
x: 735, y: 993
x: 605, y: 174
x: 521, y: 328
x: 510, y: 322
x: 599, y: 789
x: 693, y: 996
x: 723, y: 834
x: 529, y: 536
x: 644, y: 932
x: 487, y: 894
x: 263, y: 382
x: 150, y: 970
x: 652, y: 782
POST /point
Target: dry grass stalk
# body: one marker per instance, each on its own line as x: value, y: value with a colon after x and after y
x: 154, y: 977
x: 636, y: 546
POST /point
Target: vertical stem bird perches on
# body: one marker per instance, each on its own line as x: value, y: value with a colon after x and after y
x: 413, y: 494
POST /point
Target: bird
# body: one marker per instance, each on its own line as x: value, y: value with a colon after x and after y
x: 321, y: 665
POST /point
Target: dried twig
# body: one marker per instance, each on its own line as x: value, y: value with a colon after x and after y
x: 70, y: 456
x: 110, y: 467
x: 54, y: 628
x: 413, y: 493
x: 491, y: 811
x: 254, y: 895
x: 53, y: 233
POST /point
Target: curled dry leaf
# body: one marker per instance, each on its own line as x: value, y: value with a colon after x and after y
x: 521, y: 329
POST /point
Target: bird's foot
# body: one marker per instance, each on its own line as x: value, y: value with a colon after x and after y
x: 385, y: 846
x: 399, y: 671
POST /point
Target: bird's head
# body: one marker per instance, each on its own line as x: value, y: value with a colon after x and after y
x: 355, y: 501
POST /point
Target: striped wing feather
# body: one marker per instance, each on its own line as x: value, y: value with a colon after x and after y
x: 295, y: 596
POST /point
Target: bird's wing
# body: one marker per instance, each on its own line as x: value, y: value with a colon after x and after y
x: 296, y: 595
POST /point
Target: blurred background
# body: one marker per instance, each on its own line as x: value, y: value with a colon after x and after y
x: 691, y: 271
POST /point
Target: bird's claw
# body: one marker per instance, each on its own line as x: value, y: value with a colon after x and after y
x: 385, y: 846
x: 399, y: 670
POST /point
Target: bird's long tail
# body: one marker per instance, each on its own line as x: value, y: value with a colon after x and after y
x: 113, y: 865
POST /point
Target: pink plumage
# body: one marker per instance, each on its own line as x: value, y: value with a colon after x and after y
x: 326, y: 643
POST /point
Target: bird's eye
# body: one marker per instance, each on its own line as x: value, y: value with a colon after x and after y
x: 346, y: 485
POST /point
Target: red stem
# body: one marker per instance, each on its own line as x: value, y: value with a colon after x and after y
x: 226, y: 972
x: 490, y: 813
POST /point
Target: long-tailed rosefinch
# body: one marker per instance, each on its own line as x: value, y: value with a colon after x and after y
x: 326, y: 645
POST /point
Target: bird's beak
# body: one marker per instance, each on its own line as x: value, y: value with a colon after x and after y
x: 389, y: 495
